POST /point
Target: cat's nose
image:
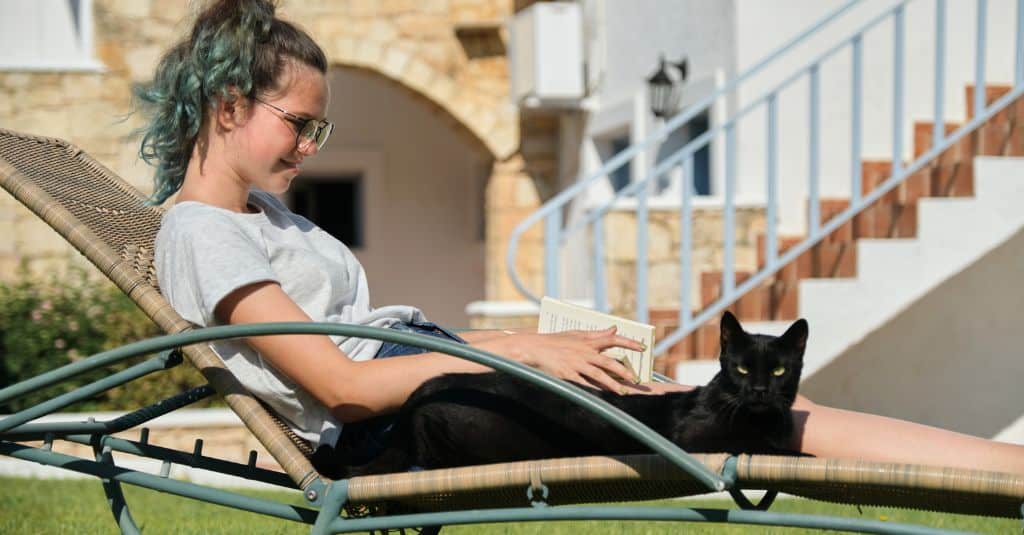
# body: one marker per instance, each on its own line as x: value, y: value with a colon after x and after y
x: 760, y: 388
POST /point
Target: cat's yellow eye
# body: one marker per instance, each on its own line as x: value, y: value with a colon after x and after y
x: 742, y: 369
x: 777, y: 372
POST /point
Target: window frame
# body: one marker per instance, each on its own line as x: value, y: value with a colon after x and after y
x: 85, y: 60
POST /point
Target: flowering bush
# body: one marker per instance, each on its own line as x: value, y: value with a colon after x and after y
x: 45, y: 324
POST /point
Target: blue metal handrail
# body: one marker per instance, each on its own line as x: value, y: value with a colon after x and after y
x: 551, y: 210
x: 683, y: 157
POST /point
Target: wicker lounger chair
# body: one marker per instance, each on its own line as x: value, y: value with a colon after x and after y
x: 105, y: 219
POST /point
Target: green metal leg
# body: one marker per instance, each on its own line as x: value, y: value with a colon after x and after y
x: 337, y: 495
x: 115, y: 497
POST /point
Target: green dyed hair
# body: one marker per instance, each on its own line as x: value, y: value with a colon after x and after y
x: 234, y: 44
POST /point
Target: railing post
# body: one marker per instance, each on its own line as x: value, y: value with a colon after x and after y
x: 1019, y: 58
x: 979, y: 58
x: 855, y: 121
x: 897, y: 90
x: 641, y: 248
x: 686, y: 244
x: 814, y: 134
x: 600, y: 282
x: 552, y: 238
x: 771, y: 149
x: 728, y: 215
x: 939, y: 128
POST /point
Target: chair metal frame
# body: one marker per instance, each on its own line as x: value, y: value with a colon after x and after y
x: 91, y: 207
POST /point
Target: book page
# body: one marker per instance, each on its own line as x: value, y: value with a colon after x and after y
x: 558, y: 316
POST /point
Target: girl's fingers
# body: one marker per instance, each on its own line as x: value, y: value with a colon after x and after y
x: 601, y: 378
x: 600, y: 333
x: 619, y: 341
x: 613, y: 366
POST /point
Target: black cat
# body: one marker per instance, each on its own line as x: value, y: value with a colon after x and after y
x: 466, y: 419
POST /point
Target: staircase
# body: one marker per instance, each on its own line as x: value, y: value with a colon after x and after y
x: 908, y: 284
x: 868, y: 246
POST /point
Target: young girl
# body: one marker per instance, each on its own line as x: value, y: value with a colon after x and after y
x: 233, y: 111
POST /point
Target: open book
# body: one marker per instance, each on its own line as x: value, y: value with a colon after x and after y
x: 557, y: 316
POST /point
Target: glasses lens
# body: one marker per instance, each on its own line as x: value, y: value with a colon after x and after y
x: 323, y: 134
x: 315, y: 132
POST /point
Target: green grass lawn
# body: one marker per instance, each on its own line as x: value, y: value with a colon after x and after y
x: 78, y: 506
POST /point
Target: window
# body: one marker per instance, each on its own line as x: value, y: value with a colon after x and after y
x: 46, y: 35
x: 669, y: 183
x: 607, y: 148
x: 334, y: 203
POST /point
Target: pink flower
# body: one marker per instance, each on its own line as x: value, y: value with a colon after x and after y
x: 60, y: 343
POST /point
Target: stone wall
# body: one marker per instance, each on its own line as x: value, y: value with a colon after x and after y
x: 664, y: 237
x: 449, y: 53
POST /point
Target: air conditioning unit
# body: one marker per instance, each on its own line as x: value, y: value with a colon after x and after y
x: 546, y: 55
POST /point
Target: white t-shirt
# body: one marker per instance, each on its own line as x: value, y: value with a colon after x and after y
x: 203, y: 253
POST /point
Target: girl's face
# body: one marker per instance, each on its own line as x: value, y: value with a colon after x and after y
x: 264, y: 151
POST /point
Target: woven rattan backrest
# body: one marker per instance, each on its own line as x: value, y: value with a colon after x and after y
x: 107, y: 220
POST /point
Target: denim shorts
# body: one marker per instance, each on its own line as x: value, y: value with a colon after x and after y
x: 365, y: 440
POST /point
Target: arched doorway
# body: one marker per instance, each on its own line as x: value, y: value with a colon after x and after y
x: 401, y: 182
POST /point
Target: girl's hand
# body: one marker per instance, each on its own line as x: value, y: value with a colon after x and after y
x: 571, y: 355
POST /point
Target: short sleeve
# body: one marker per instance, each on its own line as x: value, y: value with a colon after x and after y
x: 204, y: 254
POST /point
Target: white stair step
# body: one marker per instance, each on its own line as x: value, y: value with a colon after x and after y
x: 1000, y: 179
x: 878, y: 258
x: 953, y: 233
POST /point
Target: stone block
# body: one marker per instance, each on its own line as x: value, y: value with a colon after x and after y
x: 363, y: 8
x: 621, y: 244
x: 525, y: 194
x: 663, y: 284
x: 425, y: 27
x: 395, y: 63
x: 383, y: 30
x: 503, y: 222
x: 131, y: 8
x: 45, y: 122
x: 171, y: 12
x: 442, y: 90
x: 142, y: 61
x: 504, y: 140
x: 419, y: 76
x: 482, y: 119
x: 16, y: 79
x: 93, y: 127
x: 87, y: 87
x: 344, y: 50
x: 9, y: 267
x: 396, y: 7
x: 441, y: 54
x: 433, y: 6
x: 35, y: 238
x: 368, y: 53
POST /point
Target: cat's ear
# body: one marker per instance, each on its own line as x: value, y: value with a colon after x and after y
x: 731, y: 331
x: 796, y: 335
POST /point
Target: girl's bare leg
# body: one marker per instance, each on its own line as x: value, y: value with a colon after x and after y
x: 828, y: 432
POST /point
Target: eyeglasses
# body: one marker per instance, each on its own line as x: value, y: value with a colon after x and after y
x: 308, y: 131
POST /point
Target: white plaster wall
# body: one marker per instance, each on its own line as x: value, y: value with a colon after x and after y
x: 762, y: 26
x: 424, y: 191
x: 952, y: 359
x: 633, y: 35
